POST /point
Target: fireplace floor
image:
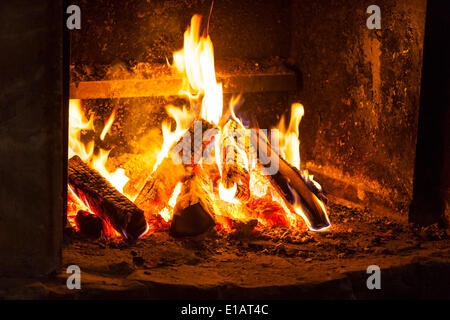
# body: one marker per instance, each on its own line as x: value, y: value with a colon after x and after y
x: 272, y: 264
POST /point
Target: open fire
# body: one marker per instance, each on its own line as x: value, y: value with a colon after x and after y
x: 211, y: 170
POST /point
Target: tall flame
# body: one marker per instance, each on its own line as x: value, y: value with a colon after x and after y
x: 289, y: 137
x: 117, y: 178
x: 108, y: 125
x: 77, y: 123
x: 290, y: 150
x: 196, y: 62
x: 183, y: 120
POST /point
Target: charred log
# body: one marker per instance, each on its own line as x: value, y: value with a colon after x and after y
x: 159, y: 186
x: 89, y: 224
x: 294, y: 189
x: 234, y: 167
x: 105, y: 200
x: 194, y: 212
x: 289, y: 180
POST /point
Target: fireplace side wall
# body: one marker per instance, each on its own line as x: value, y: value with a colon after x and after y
x: 31, y: 137
x: 361, y: 90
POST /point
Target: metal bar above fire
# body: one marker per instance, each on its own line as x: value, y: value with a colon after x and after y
x: 169, y: 86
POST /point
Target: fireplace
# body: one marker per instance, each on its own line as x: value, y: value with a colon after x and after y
x: 226, y: 150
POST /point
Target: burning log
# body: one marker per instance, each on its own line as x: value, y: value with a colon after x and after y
x: 234, y: 171
x: 290, y: 183
x: 287, y: 178
x: 235, y: 174
x: 159, y: 186
x: 194, y: 212
x: 200, y: 140
x: 105, y: 200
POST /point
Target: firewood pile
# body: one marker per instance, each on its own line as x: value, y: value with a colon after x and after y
x: 195, y: 211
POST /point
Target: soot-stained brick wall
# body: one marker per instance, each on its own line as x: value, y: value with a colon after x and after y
x: 360, y: 89
x: 150, y: 31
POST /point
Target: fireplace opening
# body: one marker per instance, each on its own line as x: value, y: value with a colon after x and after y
x: 205, y: 168
x: 235, y: 150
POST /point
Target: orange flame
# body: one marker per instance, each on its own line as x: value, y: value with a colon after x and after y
x: 196, y: 62
x: 167, y: 212
x: 117, y: 178
x: 78, y: 123
x: 290, y: 151
x: 176, y: 192
x: 108, y: 125
x: 183, y: 119
x: 289, y: 137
